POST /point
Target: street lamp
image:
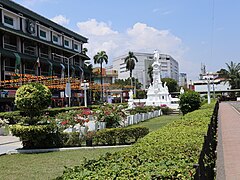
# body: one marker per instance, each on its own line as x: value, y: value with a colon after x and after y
x: 85, y: 86
x: 68, y: 84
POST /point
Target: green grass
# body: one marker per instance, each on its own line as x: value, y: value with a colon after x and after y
x: 45, y: 165
x: 50, y: 165
x: 156, y: 123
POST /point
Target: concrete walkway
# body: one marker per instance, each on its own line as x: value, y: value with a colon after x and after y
x: 9, y: 143
x: 228, y: 148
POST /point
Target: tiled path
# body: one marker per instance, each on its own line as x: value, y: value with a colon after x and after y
x: 228, y: 149
x: 9, y: 143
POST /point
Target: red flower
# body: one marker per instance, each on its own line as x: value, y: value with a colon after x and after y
x: 64, y: 122
x: 86, y: 112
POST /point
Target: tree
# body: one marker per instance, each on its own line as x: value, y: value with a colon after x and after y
x: 223, y: 73
x: 150, y: 73
x: 100, y: 58
x: 233, y: 75
x: 171, y: 84
x: 32, y: 98
x: 189, y: 101
x: 130, y: 63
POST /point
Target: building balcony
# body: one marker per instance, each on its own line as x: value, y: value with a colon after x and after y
x: 30, y: 51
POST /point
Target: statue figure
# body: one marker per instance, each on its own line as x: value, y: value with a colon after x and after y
x: 181, y: 90
x: 130, y: 94
x: 156, y: 55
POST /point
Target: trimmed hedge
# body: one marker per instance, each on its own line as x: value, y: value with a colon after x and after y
x: 115, y: 136
x: 168, y: 153
x: 37, y: 136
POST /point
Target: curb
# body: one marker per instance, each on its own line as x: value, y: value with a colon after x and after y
x: 31, y: 151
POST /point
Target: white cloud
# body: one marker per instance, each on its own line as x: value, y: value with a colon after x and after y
x: 60, y: 19
x: 138, y: 38
x: 95, y: 28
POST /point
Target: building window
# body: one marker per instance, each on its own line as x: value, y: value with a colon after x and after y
x: 55, y: 39
x: 8, y: 20
x: 43, y: 34
x: 75, y: 46
x: 66, y: 43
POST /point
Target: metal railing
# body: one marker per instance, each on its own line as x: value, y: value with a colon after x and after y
x: 43, y: 55
x: 207, y: 159
x: 30, y: 50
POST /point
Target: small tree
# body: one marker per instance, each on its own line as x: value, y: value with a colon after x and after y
x: 32, y: 98
x: 171, y: 84
x: 189, y: 101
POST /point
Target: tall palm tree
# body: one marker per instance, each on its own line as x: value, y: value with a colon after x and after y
x: 100, y: 58
x: 150, y: 73
x: 130, y: 63
x: 233, y: 75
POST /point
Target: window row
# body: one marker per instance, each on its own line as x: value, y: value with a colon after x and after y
x: 35, y: 29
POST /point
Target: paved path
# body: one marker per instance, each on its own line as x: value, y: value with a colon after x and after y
x: 9, y: 143
x: 228, y: 149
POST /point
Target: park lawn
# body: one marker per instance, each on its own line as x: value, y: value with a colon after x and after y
x: 45, y: 165
x: 156, y: 123
x: 50, y: 165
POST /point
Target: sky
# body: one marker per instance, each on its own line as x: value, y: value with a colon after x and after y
x: 192, y: 32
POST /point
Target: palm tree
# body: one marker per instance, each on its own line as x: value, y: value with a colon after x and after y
x: 130, y: 63
x: 150, y: 73
x: 100, y: 58
x: 233, y: 75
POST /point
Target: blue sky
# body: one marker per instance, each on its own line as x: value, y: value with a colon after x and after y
x: 192, y: 32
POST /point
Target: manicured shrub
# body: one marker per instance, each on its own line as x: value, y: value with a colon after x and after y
x: 189, y: 101
x: 32, y: 98
x: 113, y: 136
x: 37, y: 136
x: 168, y: 153
x: 70, y: 139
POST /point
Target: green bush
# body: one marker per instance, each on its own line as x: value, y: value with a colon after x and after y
x: 32, y: 98
x: 37, y: 136
x: 166, y: 110
x: 13, y: 116
x: 120, y: 135
x: 189, y: 101
x: 70, y: 139
x: 168, y: 153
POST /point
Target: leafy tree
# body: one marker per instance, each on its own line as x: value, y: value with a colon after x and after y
x: 130, y: 63
x: 127, y: 82
x: 233, y: 75
x: 222, y: 73
x: 100, y: 58
x: 32, y: 98
x: 189, y: 101
x: 171, y: 83
x: 150, y: 73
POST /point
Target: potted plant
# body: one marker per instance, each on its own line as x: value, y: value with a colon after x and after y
x: 89, y: 137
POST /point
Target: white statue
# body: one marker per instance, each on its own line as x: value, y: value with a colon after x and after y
x: 181, y: 90
x: 130, y: 94
x: 156, y: 55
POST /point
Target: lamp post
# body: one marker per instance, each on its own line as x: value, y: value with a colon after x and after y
x: 68, y: 84
x: 85, y: 86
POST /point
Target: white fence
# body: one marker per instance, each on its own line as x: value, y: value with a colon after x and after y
x: 131, y: 119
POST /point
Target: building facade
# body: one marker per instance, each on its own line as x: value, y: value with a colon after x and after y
x: 183, y: 80
x: 34, y: 45
x: 169, y: 67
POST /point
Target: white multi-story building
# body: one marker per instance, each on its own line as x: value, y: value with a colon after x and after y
x: 169, y: 67
x: 183, y: 79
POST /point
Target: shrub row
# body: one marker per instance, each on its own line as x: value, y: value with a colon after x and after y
x: 168, y: 153
x: 114, y: 136
x: 46, y: 136
x: 37, y: 136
